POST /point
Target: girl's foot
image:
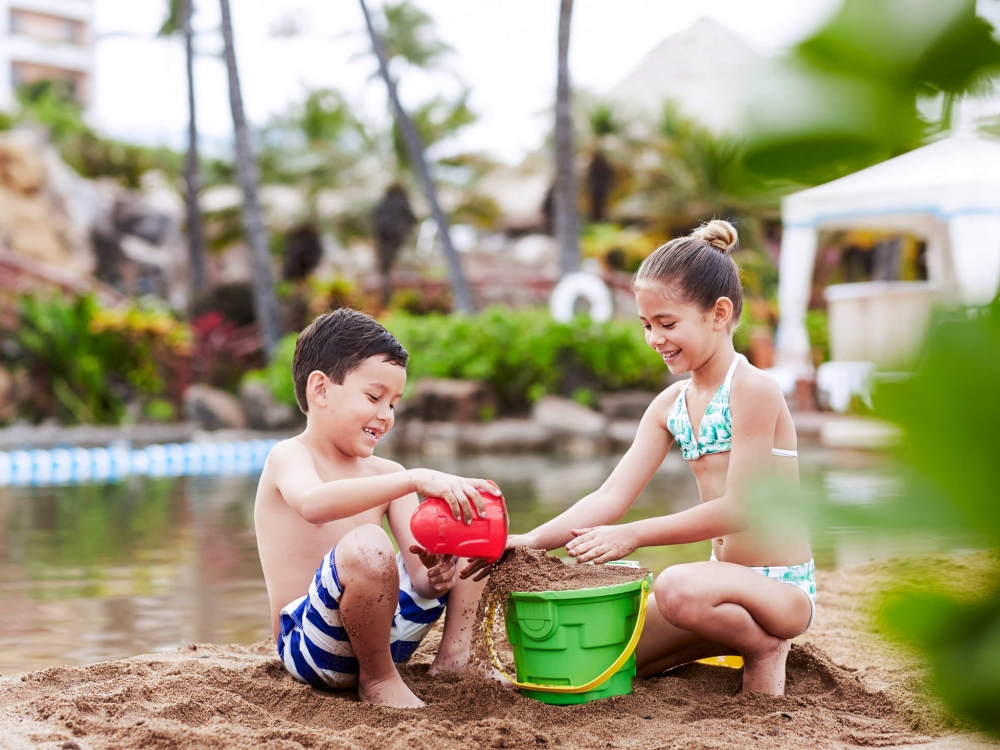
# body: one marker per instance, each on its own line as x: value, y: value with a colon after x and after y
x: 764, y: 671
x: 391, y: 691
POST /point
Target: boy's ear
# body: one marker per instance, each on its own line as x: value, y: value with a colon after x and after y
x: 722, y: 314
x: 317, y: 388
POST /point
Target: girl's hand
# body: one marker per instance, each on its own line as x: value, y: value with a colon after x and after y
x: 602, y: 544
x: 441, y: 569
x: 481, y: 568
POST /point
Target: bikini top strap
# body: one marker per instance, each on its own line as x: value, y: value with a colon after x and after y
x: 732, y: 369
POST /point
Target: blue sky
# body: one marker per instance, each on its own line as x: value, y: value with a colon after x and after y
x: 504, y: 49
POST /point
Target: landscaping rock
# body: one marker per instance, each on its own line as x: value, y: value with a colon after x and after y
x: 444, y: 400
x: 214, y: 409
x: 262, y: 412
x: 626, y: 405
x: 622, y: 433
x: 506, y: 436
x: 563, y: 416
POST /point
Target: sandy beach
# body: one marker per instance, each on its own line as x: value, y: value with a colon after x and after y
x: 846, y: 687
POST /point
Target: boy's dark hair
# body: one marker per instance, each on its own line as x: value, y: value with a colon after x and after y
x: 336, y: 343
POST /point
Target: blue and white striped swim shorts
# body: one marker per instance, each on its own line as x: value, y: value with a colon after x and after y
x: 314, y: 645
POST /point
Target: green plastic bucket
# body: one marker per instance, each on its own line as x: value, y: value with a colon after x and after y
x: 567, y: 639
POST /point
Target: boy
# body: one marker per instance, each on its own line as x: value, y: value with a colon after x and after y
x: 321, y: 501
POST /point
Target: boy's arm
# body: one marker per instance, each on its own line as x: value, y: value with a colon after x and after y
x: 754, y: 419
x: 321, y: 502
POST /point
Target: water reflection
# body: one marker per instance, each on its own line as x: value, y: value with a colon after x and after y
x: 101, y: 571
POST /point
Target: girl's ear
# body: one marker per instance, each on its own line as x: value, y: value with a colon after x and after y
x: 317, y: 388
x: 722, y: 314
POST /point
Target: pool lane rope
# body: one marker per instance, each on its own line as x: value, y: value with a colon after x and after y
x: 493, y: 607
x: 42, y: 468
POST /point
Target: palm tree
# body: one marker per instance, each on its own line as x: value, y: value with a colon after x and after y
x: 564, y: 197
x: 264, y: 300
x: 392, y: 221
x: 179, y: 14
x: 463, y: 296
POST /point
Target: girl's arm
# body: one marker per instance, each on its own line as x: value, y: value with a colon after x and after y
x: 756, y: 405
x: 609, y: 503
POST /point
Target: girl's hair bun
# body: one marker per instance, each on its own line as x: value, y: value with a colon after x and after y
x: 719, y: 234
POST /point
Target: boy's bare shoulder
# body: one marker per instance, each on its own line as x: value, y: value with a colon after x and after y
x: 295, y: 450
x: 290, y: 450
x: 379, y: 465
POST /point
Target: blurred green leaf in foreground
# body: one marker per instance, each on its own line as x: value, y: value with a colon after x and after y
x: 847, y: 96
x: 947, y: 411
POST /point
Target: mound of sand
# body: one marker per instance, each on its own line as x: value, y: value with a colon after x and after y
x: 844, y: 688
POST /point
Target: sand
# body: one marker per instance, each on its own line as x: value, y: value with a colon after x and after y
x: 845, y: 688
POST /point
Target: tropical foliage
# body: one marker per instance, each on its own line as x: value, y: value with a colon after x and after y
x: 86, y: 363
x: 523, y: 354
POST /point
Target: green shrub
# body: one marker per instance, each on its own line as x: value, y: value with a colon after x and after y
x: 86, y: 363
x: 277, y: 376
x: 524, y: 354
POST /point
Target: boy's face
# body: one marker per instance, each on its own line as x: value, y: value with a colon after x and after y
x: 358, y: 412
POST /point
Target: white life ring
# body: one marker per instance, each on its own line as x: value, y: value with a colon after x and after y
x: 572, y: 287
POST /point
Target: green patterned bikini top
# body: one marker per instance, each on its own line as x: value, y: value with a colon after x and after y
x: 715, y: 433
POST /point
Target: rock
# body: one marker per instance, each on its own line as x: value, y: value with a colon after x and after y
x: 433, y: 438
x: 506, y: 436
x: 262, y: 412
x: 443, y: 400
x: 626, y: 405
x: 45, y: 207
x: 214, y: 409
x: 563, y: 416
x: 622, y: 433
x: 578, y: 431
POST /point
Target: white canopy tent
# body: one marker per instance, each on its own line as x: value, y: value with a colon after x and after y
x: 947, y: 192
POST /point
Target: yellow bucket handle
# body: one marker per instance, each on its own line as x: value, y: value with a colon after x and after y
x: 586, y: 687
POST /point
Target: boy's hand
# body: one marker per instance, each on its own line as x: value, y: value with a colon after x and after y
x: 461, y: 494
x: 602, y: 544
x: 441, y: 569
x: 481, y: 568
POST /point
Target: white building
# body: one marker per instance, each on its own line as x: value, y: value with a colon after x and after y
x: 46, y: 40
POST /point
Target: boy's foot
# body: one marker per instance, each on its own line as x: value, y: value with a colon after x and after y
x: 391, y: 691
x: 765, y: 672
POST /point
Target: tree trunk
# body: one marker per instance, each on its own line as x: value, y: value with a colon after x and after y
x: 567, y: 221
x: 463, y: 297
x: 196, y: 236
x: 264, y: 300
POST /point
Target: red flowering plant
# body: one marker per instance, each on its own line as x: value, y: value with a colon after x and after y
x: 223, y: 351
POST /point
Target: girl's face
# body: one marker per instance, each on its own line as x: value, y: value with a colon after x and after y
x: 683, y: 334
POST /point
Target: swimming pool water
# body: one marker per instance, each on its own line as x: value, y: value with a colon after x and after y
x: 97, y: 571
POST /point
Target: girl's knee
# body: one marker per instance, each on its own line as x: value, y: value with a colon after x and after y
x: 677, y: 598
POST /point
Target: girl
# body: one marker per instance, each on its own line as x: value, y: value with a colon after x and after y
x: 732, y: 425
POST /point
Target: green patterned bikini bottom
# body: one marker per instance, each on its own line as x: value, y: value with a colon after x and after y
x: 802, y: 577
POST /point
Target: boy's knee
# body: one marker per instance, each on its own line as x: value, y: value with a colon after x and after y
x: 366, y: 549
x: 677, y: 596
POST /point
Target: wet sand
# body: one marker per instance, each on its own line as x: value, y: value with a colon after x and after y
x: 845, y: 688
